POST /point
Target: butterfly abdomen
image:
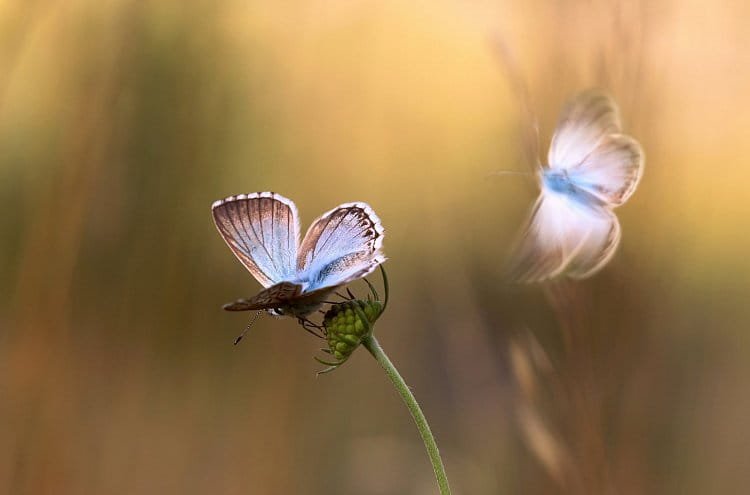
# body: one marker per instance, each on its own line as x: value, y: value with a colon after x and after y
x: 559, y: 181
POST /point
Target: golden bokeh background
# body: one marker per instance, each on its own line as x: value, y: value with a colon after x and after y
x: 122, y: 120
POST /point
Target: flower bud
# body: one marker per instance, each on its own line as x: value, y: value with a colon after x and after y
x: 345, y: 329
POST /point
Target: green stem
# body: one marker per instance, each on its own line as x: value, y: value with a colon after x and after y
x: 372, y: 345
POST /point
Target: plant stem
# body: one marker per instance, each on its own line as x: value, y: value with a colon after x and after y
x: 372, y: 345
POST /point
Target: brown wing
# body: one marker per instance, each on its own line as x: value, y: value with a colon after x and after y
x: 273, y: 297
x: 262, y: 230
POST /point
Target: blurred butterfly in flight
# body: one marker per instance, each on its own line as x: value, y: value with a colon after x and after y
x: 263, y: 231
x: 593, y: 168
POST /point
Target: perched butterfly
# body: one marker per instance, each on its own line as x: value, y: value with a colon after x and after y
x: 592, y: 169
x: 262, y: 230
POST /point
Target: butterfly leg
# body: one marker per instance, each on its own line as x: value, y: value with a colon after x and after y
x: 345, y: 298
x: 309, y: 323
x: 311, y: 327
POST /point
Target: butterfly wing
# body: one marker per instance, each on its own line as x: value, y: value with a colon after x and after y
x: 273, y: 297
x: 612, y: 170
x: 588, y: 145
x: 262, y: 230
x: 565, y: 236
x: 341, y: 246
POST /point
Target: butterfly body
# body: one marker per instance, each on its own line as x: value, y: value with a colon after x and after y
x: 593, y: 168
x: 302, y: 306
x: 560, y: 182
x: 284, y: 299
x: 262, y: 230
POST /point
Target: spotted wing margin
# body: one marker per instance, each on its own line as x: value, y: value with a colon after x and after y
x: 565, y: 237
x: 273, y: 297
x: 342, y: 245
x: 613, y: 170
x: 584, y: 122
x: 262, y: 230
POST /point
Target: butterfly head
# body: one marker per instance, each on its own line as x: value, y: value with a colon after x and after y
x: 301, y: 306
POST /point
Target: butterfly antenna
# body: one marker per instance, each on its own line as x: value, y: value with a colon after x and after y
x: 351, y: 296
x: 342, y: 296
x: 252, y: 320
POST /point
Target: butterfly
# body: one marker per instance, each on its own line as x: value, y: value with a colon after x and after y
x: 263, y: 231
x: 592, y: 169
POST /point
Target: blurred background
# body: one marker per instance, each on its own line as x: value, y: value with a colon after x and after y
x: 122, y: 120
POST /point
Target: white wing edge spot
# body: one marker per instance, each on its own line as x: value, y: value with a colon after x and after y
x: 267, y: 194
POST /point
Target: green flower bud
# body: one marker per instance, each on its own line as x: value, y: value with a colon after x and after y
x: 347, y: 324
x: 345, y: 329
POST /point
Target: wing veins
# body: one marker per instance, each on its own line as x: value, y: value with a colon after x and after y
x: 273, y: 230
x: 330, y: 234
x: 238, y: 232
x: 356, y: 225
x: 350, y: 212
x: 336, y: 228
x: 261, y: 240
